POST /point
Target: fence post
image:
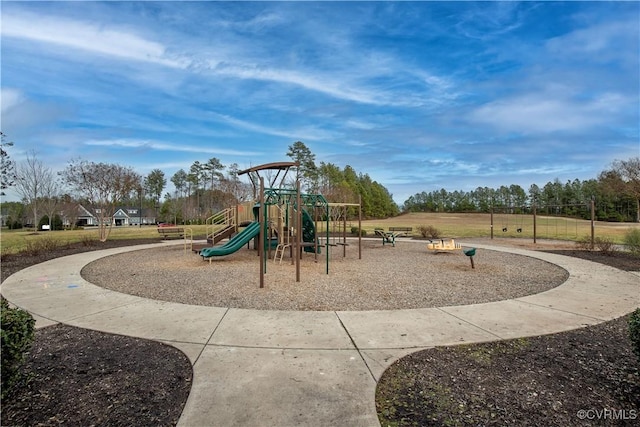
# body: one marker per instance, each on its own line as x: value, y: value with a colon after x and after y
x: 491, y: 222
x: 535, y: 228
x: 593, y: 218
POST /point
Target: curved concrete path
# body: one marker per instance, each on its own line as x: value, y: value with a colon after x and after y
x: 289, y: 368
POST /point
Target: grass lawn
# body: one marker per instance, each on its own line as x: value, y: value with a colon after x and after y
x: 450, y: 225
x: 460, y: 225
x: 13, y: 241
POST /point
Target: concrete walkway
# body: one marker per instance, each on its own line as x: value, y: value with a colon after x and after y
x: 288, y: 368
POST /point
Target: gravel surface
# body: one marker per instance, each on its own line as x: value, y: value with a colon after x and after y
x: 386, y: 278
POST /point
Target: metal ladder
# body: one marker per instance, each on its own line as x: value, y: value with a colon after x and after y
x: 280, y: 250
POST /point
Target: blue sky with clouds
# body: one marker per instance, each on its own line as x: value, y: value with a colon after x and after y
x: 419, y: 95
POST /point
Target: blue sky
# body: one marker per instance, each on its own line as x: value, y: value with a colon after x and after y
x: 419, y: 95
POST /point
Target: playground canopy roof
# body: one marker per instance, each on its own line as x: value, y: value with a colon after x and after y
x: 273, y: 194
x: 271, y: 166
x: 254, y: 172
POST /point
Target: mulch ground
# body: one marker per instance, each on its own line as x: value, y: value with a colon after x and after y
x: 79, y: 377
x: 583, y: 377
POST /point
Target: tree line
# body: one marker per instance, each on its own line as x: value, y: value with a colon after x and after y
x: 210, y: 186
x: 341, y: 185
x: 206, y: 188
x: 616, y: 193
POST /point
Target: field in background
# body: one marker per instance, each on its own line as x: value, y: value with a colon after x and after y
x: 450, y: 225
x: 12, y: 241
x: 479, y: 225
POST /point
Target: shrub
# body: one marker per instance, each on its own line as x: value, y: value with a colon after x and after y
x: 57, y: 222
x: 43, y: 221
x: 88, y: 241
x: 634, y: 332
x: 605, y: 245
x: 43, y: 244
x: 584, y: 243
x: 429, y: 231
x: 17, y: 336
x: 602, y: 244
x: 356, y: 230
x: 632, y: 240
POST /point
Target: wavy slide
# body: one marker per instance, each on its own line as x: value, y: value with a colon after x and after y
x: 308, y: 231
x: 234, y: 244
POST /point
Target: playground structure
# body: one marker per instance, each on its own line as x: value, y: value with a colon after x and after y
x: 234, y: 244
x: 550, y: 221
x: 283, y: 219
x: 337, y: 225
x: 471, y: 252
x: 296, y: 225
x: 443, y: 246
x: 227, y: 223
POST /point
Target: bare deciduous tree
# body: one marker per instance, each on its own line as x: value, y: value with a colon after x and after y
x: 104, y: 186
x: 34, y: 183
x: 69, y: 209
x: 51, y: 199
x: 231, y: 184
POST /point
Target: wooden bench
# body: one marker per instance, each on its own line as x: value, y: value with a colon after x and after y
x: 400, y: 231
x: 171, y: 231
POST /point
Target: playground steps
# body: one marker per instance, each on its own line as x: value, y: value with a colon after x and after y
x: 221, y: 234
x: 197, y: 247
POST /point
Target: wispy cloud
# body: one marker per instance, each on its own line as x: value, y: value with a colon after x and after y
x: 164, y: 146
x: 21, y: 113
x: 124, y: 44
x: 10, y: 99
x: 416, y: 94
x: 305, y: 132
x: 490, y: 20
x: 532, y: 113
x: 599, y: 42
x: 94, y: 38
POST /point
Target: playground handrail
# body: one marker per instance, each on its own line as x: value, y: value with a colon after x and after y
x: 219, y: 222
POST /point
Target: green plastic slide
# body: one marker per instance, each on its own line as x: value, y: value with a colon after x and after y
x: 308, y: 231
x: 235, y: 243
